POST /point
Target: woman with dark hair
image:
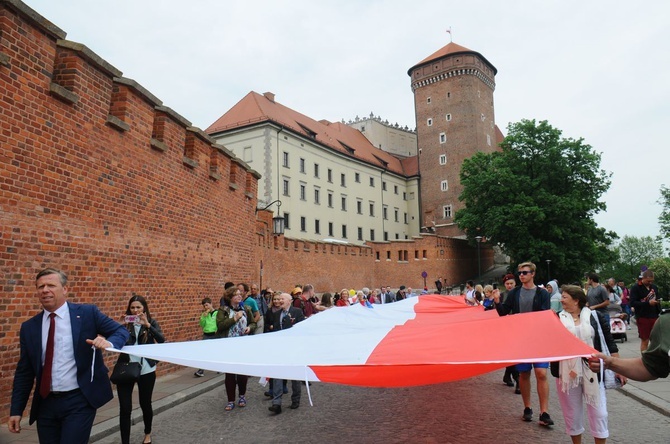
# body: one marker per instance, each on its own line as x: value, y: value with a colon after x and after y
x: 143, y: 329
x: 234, y: 319
x: 576, y: 384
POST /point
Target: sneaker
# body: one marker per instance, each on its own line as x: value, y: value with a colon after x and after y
x: 629, y: 327
x: 528, y: 414
x: 545, y: 419
x: 199, y: 373
x: 268, y: 394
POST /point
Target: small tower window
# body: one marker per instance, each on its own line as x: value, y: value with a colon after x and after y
x: 443, y: 138
x: 428, y: 100
x: 429, y: 122
x: 443, y: 159
x: 448, y: 117
x: 444, y: 185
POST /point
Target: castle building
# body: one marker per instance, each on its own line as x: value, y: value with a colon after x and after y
x: 366, y: 181
x: 333, y: 184
x: 394, y: 139
x: 455, y: 118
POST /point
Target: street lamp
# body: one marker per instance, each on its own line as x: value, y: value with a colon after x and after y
x: 548, y: 270
x: 277, y: 221
x: 479, y: 260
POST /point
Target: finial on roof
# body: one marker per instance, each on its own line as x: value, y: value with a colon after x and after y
x: 451, y: 37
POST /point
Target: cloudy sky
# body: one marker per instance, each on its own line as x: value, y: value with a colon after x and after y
x: 596, y: 70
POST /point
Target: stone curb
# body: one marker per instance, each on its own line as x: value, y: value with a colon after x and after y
x: 645, y: 398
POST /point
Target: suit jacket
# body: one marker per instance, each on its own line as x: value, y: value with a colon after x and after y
x: 295, y: 315
x: 87, y: 322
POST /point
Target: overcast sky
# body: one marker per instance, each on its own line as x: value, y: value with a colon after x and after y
x: 597, y: 70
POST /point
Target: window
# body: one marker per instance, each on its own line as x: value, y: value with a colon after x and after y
x: 377, y: 256
x: 344, y: 231
x: 385, y: 212
x: 247, y: 155
x: 302, y: 165
x: 372, y: 181
x: 330, y: 229
x: 397, y: 236
x: 428, y: 100
x: 483, y: 117
x: 395, y: 189
x: 303, y: 223
x: 396, y: 215
x: 357, y: 177
x: 424, y: 254
x: 448, y: 95
x: 372, y: 235
x: 359, y: 207
x: 405, y: 217
x: 317, y: 196
x: 316, y: 170
x: 443, y: 159
x: 360, y: 233
x: 372, y: 209
x: 429, y: 122
x: 446, y: 211
x: 317, y: 226
x: 388, y: 255
x: 344, y: 203
x: 330, y: 199
x: 330, y: 175
x: 448, y: 117
x: 404, y: 195
x: 302, y: 192
x: 286, y: 188
x: 444, y: 185
x: 386, y: 235
x: 343, y: 180
x: 383, y: 186
x: 443, y: 138
x: 285, y: 160
x: 286, y: 221
x: 488, y: 139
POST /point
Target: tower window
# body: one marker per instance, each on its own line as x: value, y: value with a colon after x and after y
x: 446, y: 211
x: 428, y: 100
x: 443, y: 138
x: 488, y: 139
x: 444, y: 185
x: 448, y: 117
x: 448, y: 95
x: 483, y: 117
x: 429, y: 122
x: 443, y: 159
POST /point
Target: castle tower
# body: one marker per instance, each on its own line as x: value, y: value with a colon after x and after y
x: 453, y: 100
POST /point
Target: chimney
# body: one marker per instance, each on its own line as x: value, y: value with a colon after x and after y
x: 270, y: 96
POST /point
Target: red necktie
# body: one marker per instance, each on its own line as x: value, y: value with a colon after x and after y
x: 45, y: 383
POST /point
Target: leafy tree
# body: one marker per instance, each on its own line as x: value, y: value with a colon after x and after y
x: 661, y: 269
x: 536, y: 199
x: 664, y: 218
x: 630, y: 255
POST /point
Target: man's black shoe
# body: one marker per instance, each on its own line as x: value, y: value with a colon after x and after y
x: 276, y: 409
x: 295, y: 405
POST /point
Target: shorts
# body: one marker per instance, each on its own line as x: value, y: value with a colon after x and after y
x: 644, y: 326
x: 526, y: 367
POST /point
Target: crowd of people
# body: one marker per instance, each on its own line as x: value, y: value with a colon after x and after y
x: 71, y: 381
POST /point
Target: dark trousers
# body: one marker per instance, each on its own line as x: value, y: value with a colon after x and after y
x: 65, y: 419
x: 145, y: 387
x: 278, y: 391
x: 233, y: 380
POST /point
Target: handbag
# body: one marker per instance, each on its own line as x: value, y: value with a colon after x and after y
x: 610, y: 381
x: 126, y: 372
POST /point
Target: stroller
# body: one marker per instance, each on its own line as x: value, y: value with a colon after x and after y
x: 618, y: 329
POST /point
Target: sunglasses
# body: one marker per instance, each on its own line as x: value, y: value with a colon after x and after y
x: 524, y: 272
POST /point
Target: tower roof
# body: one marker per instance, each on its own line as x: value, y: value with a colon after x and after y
x: 255, y: 108
x: 450, y: 49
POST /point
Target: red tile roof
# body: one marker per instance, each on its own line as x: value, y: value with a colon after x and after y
x: 255, y: 108
x: 450, y: 49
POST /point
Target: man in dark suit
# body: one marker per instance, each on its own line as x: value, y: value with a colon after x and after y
x: 283, y: 319
x: 61, y: 352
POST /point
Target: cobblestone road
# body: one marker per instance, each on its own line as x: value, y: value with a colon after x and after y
x: 474, y: 411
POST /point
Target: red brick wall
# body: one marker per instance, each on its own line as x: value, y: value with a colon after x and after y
x: 331, y: 267
x: 128, y: 203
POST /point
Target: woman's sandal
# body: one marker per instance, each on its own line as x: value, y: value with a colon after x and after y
x: 242, y: 402
x: 230, y: 406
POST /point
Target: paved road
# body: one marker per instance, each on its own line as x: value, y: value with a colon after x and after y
x: 478, y: 410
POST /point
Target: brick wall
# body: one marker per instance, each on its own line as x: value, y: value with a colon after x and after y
x: 98, y: 178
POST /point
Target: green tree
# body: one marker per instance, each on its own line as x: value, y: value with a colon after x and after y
x: 661, y: 269
x: 630, y: 255
x: 664, y: 218
x: 536, y: 199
